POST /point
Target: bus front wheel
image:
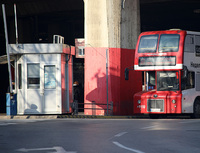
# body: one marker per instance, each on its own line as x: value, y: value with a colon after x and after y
x: 196, y: 113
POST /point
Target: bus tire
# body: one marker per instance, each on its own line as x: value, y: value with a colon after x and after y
x: 196, y: 109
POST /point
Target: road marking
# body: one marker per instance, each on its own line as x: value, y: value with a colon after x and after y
x: 57, y: 149
x: 124, y: 147
x: 190, y: 121
x: 4, y: 124
x: 120, y: 134
x: 149, y: 127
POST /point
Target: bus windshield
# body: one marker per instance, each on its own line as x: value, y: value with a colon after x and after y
x: 169, y: 43
x: 148, y: 44
x: 167, y: 81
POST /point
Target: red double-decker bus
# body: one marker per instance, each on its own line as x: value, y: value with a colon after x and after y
x: 170, y: 61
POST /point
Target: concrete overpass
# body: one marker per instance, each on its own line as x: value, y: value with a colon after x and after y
x: 42, y: 18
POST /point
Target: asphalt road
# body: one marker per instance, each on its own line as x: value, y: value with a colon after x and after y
x: 100, y: 136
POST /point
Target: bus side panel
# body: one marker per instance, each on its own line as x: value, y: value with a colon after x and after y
x: 188, y: 100
x: 192, y: 61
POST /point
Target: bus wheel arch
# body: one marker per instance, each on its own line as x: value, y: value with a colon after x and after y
x: 196, y: 108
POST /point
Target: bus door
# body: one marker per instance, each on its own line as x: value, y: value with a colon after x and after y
x: 149, y: 80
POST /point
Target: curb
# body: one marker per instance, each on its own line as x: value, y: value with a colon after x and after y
x: 101, y: 117
x: 23, y: 117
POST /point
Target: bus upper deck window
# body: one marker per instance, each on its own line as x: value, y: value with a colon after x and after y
x: 148, y: 44
x: 169, y: 43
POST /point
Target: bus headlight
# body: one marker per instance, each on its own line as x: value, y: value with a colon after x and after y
x: 139, y: 101
x: 173, y: 101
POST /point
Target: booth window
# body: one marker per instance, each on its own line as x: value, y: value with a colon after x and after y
x: 49, y: 77
x: 81, y: 51
x: 33, y: 76
x: 19, y: 76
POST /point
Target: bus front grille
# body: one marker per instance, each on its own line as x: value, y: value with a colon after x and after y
x: 155, y: 105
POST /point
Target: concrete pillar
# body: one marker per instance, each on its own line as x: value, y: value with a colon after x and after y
x: 112, y: 25
x: 130, y: 23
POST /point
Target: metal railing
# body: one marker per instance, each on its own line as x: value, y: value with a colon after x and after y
x: 108, y: 108
x: 57, y: 39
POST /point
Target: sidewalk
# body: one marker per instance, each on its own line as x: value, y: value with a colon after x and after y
x: 60, y: 116
x: 7, y: 117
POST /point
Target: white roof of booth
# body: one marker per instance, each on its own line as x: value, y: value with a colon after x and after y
x: 39, y: 48
x: 16, y: 49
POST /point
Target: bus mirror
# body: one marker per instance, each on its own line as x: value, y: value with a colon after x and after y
x: 126, y: 74
x: 185, y: 71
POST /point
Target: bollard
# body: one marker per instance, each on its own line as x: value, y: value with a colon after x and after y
x: 76, y: 107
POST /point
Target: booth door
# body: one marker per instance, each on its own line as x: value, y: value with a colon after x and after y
x: 41, y: 97
x: 49, y: 89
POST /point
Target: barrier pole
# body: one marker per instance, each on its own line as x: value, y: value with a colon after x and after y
x: 107, y: 77
x: 7, y: 51
x: 16, y: 31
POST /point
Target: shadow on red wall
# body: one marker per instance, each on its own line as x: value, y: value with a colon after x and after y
x: 120, y: 91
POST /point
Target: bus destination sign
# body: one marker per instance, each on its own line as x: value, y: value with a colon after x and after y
x: 157, y: 61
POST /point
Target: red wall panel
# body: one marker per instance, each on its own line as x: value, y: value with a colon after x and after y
x: 120, y: 91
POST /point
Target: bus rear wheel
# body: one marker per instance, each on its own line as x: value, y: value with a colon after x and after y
x: 196, y: 113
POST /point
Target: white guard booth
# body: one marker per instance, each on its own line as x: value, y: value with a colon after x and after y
x: 43, y: 78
